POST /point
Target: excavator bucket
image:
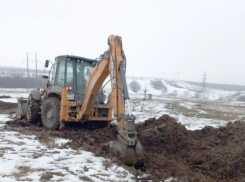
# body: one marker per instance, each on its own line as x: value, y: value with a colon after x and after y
x: 129, y: 155
x: 21, y: 108
x: 127, y: 147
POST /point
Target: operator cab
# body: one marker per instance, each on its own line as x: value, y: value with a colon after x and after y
x: 71, y: 72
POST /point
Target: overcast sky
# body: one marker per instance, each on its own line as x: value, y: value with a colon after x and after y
x: 160, y: 38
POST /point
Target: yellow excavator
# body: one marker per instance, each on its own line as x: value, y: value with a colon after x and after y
x: 73, y: 93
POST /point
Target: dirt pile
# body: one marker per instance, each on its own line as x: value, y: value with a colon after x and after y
x: 203, y: 155
x: 6, y: 106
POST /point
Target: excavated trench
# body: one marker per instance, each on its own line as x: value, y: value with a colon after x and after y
x: 170, y: 150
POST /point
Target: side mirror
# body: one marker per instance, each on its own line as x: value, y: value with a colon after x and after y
x: 46, y: 63
x: 45, y: 77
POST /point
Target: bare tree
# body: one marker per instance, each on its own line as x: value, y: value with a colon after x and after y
x: 135, y: 86
x: 186, y: 93
x: 158, y: 85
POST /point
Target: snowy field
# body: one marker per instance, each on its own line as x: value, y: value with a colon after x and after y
x: 24, y: 158
x: 179, y: 89
x: 14, y: 93
x: 193, y: 114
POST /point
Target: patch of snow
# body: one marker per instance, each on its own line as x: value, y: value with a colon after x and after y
x: 14, y: 92
x: 170, y: 179
x: 187, y: 105
x: 201, y: 111
x: 24, y: 158
x: 61, y: 141
x: 187, y: 90
x: 11, y: 100
x: 3, y: 118
x: 145, y: 109
x: 193, y: 123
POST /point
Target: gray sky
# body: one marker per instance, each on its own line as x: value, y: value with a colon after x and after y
x: 160, y: 38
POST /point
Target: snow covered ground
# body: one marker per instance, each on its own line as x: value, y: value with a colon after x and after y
x: 10, y: 100
x: 24, y: 158
x: 13, y: 92
x: 149, y: 109
x: 179, y: 89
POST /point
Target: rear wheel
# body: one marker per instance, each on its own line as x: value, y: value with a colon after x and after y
x: 50, y: 112
x: 33, y: 108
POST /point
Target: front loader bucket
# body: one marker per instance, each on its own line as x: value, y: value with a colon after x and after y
x: 129, y: 155
x: 21, y: 108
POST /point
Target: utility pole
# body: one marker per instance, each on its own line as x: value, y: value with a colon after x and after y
x: 36, y: 70
x: 145, y: 92
x: 27, y: 72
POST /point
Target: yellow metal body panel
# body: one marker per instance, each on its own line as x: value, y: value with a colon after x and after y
x: 65, y: 111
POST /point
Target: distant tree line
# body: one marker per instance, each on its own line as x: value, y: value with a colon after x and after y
x: 21, y: 72
x: 14, y: 77
x: 21, y: 82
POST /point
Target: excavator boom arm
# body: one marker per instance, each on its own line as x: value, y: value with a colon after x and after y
x: 113, y: 64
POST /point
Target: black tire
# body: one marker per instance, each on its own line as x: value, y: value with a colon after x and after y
x: 33, y: 110
x: 50, y: 112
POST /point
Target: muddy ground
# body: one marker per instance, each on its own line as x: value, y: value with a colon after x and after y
x: 170, y: 150
x: 6, y: 107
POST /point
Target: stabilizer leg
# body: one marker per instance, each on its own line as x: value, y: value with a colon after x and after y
x: 21, y: 108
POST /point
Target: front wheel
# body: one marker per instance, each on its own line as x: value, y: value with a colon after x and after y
x: 50, y: 112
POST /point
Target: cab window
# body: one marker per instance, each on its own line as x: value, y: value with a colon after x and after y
x: 69, y: 75
x: 82, y: 73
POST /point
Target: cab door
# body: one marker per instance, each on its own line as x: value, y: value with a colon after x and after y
x: 60, y: 75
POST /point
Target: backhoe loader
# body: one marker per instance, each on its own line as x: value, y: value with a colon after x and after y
x: 73, y: 94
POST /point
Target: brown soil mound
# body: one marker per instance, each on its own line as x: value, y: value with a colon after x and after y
x: 203, y: 155
x: 7, y: 105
